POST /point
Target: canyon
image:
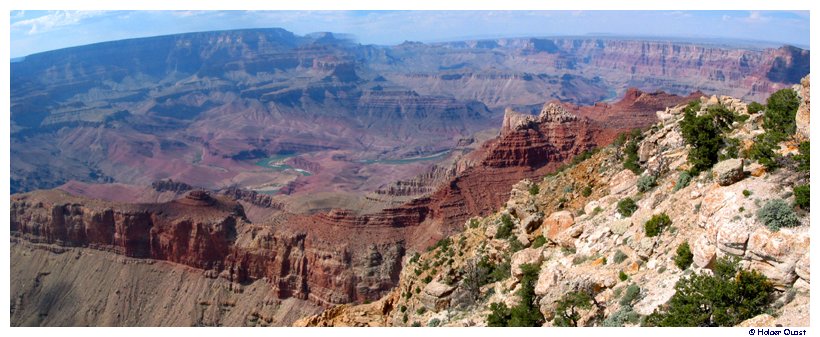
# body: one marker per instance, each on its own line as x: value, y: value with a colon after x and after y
x: 274, y: 175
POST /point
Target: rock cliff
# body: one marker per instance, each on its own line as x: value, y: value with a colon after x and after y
x: 575, y: 228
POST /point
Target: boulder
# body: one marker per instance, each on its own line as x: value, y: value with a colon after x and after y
x: 762, y: 320
x: 435, y: 296
x: 776, y: 254
x: 622, y: 182
x: 803, y: 268
x: 732, y: 238
x: 703, y: 252
x: 532, y: 222
x: 525, y: 256
x: 557, y: 222
x: 729, y: 171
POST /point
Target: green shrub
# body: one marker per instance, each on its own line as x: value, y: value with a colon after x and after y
x: 622, y: 276
x: 727, y: 297
x: 494, y: 272
x: 705, y: 134
x: 566, y: 313
x: 427, y: 279
x: 633, y: 291
x: 539, y: 241
x: 683, y: 256
x: 583, y: 156
x: 597, y: 210
x: 619, y: 257
x: 416, y: 324
x: 683, y: 180
x: 404, y: 319
x: 499, y: 315
x: 624, y: 315
x: 631, y: 156
x: 403, y: 308
x: 776, y: 214
x: 779, y: 116
x: 527, y: 313
x: 801, y: 196
x: 755, y: 107
x: 656, y: 224
x: 515, y: 245
x: 620, y: 140
x: 646, y: 182
x: 587, y: 191
x: 747, y: 193
x: 434, y: 322
x: 421, y: 311
x: 627, y: 206
x: 763, y: 150
x: 534, y: 189
x: 731, y: 149
x: 803, y: 158
x: 473, y: 223
x: 505, y: 228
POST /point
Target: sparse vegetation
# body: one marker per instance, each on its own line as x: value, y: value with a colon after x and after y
x: 683, y: 180
x: 539, y: 241
x: 505, y: 227
x: 725, y: 298
x: 656, y: 224
x: 587, y: 191
x: 683, y: 256
x: 633, y: 291
x: 624, y: 315
x: 534, y: 189
x: 619, y: 257
x: 646, y: 182
x: 627, y: 206
x: 777, y: 214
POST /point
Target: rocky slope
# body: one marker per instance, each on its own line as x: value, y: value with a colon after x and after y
x: 570, y: 226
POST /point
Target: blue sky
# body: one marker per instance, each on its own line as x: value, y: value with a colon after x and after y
x: 36, y: 31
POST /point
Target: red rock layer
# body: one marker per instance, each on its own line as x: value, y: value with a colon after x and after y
x: 211, y: 233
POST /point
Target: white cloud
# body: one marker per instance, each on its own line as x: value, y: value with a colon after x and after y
x: 54, y: 19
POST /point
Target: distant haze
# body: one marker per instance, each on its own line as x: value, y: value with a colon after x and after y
x: 38, y: 31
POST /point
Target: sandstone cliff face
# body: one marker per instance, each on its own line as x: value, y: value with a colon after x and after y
x: 212, y: 234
